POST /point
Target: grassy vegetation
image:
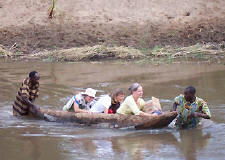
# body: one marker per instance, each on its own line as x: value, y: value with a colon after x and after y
x: 210, y: 53
x: 4, y: 53
x: 87, y: 53
x: 200, y: 52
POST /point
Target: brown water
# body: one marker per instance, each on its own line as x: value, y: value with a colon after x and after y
x: 22, y: 138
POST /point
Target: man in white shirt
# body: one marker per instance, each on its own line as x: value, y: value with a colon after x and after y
x: 80, y: 102
x: 102, y: 105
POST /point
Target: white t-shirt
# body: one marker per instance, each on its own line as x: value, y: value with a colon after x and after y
x: 103, y: 102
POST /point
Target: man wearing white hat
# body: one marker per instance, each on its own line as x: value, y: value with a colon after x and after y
x: 80, y: 102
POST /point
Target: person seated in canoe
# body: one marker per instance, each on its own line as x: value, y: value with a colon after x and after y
x: 108, y: 104
x: 117, y: 98
x: 134, y: 104
x: 192, y: 109
x: 80, y: 103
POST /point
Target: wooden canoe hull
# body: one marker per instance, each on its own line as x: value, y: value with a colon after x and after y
x: 140, y: 122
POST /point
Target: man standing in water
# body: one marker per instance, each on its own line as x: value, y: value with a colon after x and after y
x: 192, y: 109
x: 28, y: 92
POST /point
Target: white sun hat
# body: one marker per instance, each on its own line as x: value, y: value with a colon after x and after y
x: 90, y: 92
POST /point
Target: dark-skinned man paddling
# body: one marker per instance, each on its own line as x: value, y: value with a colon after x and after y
x: 191, y: 109
x: 28, y: 92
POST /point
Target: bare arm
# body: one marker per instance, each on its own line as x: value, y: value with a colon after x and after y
x: 33, y: 109
x: 105, y: 110
x: 78, y: 110
x: 147, y: 114
x: 174, y: 107
x: 26, y: 100
x: 202, y: 115
x: 205, y: 113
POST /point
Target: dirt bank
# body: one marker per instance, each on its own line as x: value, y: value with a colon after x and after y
x: 26, y: 28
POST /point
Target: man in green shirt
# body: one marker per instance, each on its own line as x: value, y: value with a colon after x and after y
x: 192, y: 109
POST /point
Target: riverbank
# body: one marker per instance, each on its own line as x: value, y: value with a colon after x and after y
x: 147, y: 30
x: 209, y: 53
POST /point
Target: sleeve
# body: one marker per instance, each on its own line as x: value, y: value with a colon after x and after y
x: 25, y: 90
x: 177, y: 99
x: 106, y: 101
x: 34, y: 92
x: 37, y: 93
x: 37, y: 90
x: 69, y: 104
x: 205, y: 108
x: 78, y: 98
x: 133, y: 106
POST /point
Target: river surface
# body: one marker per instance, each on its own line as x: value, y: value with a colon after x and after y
x: 23, y: 138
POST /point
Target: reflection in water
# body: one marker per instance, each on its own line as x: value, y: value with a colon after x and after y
x: 86, y: 145
x: 130, y: 146
x: 136, y: 145
x: 32, y: 139
x: 142, y: 145
x: 192, y: 141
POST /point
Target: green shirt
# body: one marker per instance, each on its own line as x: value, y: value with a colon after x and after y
x: 186, y: 108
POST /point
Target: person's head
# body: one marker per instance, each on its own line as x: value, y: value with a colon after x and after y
x: 34, y: 77
x: 117, y: 96
x: 136, y: 90
x: 89, y: 95
x: 189, y: 93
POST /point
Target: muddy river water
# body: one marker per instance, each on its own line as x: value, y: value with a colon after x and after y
x: 22, y: 138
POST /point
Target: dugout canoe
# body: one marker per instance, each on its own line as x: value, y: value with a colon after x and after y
x: 139, y: 122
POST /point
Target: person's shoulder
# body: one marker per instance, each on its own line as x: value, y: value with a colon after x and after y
x: 107, y: 97
x: 179, y: 99
x: 26, y: 81
x: 78, y: 96
x: 104, y: 98
x: 200, y: 100
x: 128, y: 98
x: 181, y: 96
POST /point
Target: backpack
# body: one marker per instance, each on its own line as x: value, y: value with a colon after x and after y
x: 70, y: 103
